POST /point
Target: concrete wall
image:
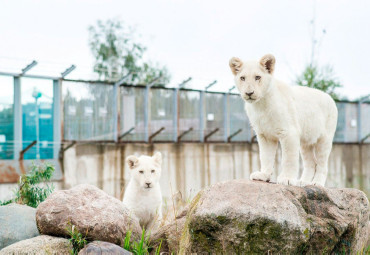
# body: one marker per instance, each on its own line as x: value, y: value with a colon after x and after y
x: 188, y: 167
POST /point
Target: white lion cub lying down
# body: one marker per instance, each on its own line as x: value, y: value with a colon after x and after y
x: 300, y: 118
x: 143, y: 194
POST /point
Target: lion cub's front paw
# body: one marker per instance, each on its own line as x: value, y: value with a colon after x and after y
x: 260, y: 176
x: 319, y: 180
x: 320, y: 184
x: 302, y: 183
x: 286, y: 181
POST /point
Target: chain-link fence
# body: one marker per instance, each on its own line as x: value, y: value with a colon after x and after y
x: 88, y: 112
x: 189, y: 115
x: 132, y: 114
x: 93, y: 111
x: 172, y: 115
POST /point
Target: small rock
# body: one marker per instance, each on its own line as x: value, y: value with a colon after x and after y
x: 17, y: 223
x: 103, y: 248
x: 40, y: 245
x: 94, y: 213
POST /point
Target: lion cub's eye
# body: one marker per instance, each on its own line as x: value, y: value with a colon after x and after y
x: 153, y: 171
x: 242, y: 78
x: 141, y: 171
x: 258, y: 77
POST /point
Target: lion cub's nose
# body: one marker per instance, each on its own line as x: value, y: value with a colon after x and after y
x: 148, y: 184
x: 249, y: 94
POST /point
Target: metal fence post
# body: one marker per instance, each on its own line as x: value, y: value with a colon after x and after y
x: 359, y: 124
x: 17, y: 129
x: 115, y: 112
x: 57, y: 118
x: 226, y: 117
x: 175, y: 114
x: 146, y: 114
x: 201, y: 115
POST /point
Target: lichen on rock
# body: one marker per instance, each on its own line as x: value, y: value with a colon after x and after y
x: 245, y: 217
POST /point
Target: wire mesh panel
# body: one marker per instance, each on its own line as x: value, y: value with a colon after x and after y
x: 238, y: 119
x: 37, y: 117
x: 347, y: 123
x: 6, y: 118
x: 340, y: 132
x: 88, y: 112
x: 132, y: 114
x: 103, y: 118
x: 214, y: 116
x: 161, y: 114
x: 365, y: 121
x: 189, y: 115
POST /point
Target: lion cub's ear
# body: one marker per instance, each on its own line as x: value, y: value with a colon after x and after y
x: 157, y: 157
x: 132, y: 161
x: 268, y: 63
x: 235, y: 65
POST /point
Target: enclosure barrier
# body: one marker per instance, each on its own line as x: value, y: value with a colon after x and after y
x: 73, y: 111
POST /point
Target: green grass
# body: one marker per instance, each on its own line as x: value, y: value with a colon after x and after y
x: 77, y: 240
x: 33, y: 187
x: 6, y: 202
x: 142, y: 247
x: 364, y: 251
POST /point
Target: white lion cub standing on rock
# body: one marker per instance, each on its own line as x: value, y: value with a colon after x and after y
x: 143, y: 194
x: 300, y: 118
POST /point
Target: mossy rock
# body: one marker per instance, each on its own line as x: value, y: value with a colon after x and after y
x: 244, y: 217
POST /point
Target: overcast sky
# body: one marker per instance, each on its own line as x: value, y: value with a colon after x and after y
x: 194, y: 38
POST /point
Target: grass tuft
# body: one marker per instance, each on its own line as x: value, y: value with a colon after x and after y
x: 33, y: 187
x: 77, y: 240
x: 142, y: 247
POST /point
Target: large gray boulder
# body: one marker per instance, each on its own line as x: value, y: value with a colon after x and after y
x: 94, y: 213
x: 245, y: 217
x: 17, y: 223
x: 40, y: 245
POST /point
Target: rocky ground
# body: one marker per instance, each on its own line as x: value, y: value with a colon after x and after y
x: 233, y: 217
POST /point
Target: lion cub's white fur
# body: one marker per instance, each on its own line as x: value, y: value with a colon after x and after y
x: 300, y: 118
x: 143, y: 194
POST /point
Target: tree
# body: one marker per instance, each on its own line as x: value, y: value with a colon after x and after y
x: 117, y: 55
x: 320, y: 78
x: 313, y: 75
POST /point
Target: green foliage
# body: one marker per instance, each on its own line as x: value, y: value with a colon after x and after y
x: 319, y: 78
x: 117, y: 54
x: 126, y: 243
x: 142, y: 247
x: 6, y: 202
x: 29, y: 191
x: 77, y: 240
x: 158, y: 249
x: 363, y: 251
